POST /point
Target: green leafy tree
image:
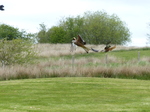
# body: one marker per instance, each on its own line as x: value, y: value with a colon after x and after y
x: 100, y: 28
x: 56, y: 35
x: 42, y: 36
x: 10, y: 32
x: 95, y: 27
x: 72, y: 26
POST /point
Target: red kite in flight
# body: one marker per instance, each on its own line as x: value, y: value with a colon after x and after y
x: 80, y: 42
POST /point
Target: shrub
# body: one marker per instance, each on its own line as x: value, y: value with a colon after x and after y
x: 16, y: 51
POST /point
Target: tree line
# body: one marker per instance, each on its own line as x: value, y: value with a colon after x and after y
x: 95, y: 27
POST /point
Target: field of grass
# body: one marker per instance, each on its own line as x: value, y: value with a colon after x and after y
x: 56, y: 60
x: 75, y: 95
x: 93, y: 82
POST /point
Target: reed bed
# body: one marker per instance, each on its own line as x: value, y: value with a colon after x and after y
x: 113, y: 67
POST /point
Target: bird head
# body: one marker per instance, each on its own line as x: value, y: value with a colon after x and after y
x: 74, y: 40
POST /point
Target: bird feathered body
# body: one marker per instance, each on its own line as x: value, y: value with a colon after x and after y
x: 109, y: 48
x: 80, y: 42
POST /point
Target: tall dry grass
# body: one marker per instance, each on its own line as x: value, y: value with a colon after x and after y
x: 87, y: 67
x: 47, y: 50
x: 80, y: 68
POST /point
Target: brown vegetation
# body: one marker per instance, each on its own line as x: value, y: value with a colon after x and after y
x: 47, y: 50
x: 87, y: 67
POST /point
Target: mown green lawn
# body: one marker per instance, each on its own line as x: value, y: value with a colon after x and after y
x: 75, y: 94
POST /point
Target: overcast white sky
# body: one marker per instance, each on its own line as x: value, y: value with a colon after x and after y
x: 28, y: 14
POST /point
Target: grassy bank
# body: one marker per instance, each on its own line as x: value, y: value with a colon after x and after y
x: 74, y: 95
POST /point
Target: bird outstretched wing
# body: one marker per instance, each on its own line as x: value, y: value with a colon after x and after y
x: 80, y: 40
x: 109, y: 48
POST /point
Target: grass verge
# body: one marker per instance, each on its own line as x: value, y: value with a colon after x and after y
x: 74, y: 95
